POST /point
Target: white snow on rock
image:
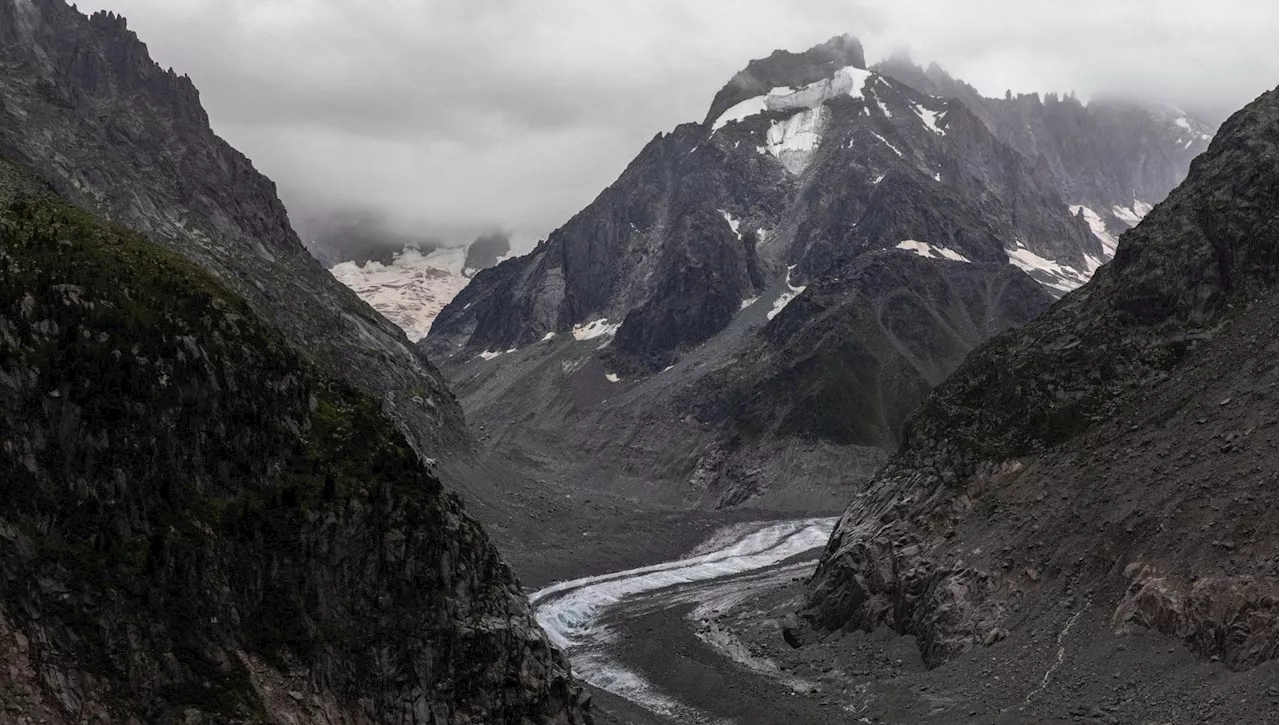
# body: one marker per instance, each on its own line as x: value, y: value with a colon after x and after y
x: 611, y: 377
x: 548, y: 336
x: 794, y: 140
x: 785, y: 298
x: 1097, y: 226
x: 747, y: 303
x: 733, y: 223
x: 1133, y: 213
x: 412, y: 289
x: 1051, y: 274
x: 488, y: 355
x: 930, y: 119
x: 847, y: 81
x: 878, y: 179
x: 886, y: 143
x: 597, y: 328
x: 928, y: 251
x: 739, y: 111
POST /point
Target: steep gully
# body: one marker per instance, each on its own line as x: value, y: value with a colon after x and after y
x: 584, y: 616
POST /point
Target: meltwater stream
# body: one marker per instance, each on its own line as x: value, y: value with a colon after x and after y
x: 571, y: 612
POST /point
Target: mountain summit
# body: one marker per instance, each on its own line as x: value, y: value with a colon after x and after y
x: 803, y: 264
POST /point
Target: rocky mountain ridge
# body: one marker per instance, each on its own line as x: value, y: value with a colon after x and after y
x: 711, y: 291
x: 199, y: 525
x: 1119, y: 449
x: 84, y: 106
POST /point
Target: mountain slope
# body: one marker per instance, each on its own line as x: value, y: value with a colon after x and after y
x: 766, y: 291
x: 82, y: 104
x: 1120, y: 448
x: 853, y: 357
x: 1112, y: 159
x: 803, y: 176
x: 199, y: 526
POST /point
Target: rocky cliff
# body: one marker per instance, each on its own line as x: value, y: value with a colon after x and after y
x: 84, y: 106
x: 199, y: 525
x: 1119, y: 450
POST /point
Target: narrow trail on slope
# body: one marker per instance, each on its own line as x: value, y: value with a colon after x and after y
x: 572, y: 612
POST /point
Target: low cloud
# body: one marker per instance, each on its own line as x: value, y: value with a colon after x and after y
x: 452, y: 116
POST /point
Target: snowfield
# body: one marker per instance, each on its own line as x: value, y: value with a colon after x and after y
x: 411, y: 290
x: 928, y: 251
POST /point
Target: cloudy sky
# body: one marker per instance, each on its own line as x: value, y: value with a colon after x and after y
x: 452, y: 116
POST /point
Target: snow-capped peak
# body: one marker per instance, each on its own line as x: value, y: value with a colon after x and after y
x: 847, y: 81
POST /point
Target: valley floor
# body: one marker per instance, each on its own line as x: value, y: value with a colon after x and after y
x: 697, y: 639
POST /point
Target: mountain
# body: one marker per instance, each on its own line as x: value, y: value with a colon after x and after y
x: 709, y: 215
x: 1118, y: 451
x: 410, y: 286
x: 197, y: 524
x: 1112, y: 159
x: 83, y: 105
x: 782, y: 281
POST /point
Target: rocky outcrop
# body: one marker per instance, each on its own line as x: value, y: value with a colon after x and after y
x: 1120, y: 446
x: 84, y: 106
x: 487, y: 250
x: 199, y: 525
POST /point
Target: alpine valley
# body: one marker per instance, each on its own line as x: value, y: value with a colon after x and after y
x: 864, y: 398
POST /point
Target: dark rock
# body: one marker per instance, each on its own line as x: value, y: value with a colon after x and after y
x: 84, y: 106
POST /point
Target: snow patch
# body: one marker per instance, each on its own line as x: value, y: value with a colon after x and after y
x: 886, y: 143
x: 597, y: 328
x: 785, y: 298
x: 928, y: 251
x: 611, y: 377
x: 794, y: 140
x: 733, y: 223
x: 747, y: 303
x: 1133, y: 213
x: 548, y: 336
x: 739, y: 111
x: 488, y: 355
x: 930, y: 119
x: 1097, y: 226
x: 1047, y: 272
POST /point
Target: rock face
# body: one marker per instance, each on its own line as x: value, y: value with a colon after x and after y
x: 850, y: 359
x: 830, y: 162
x: 198, y: 525
x: 1120, y: 448
x: 83, y: 105
x: 487, y: 250
x: 1112, y: 159
x: 796, y: 270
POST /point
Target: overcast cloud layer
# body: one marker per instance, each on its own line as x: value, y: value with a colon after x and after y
x: 452, y: 116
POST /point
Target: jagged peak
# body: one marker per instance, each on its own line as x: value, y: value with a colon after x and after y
x: 786, y: 68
